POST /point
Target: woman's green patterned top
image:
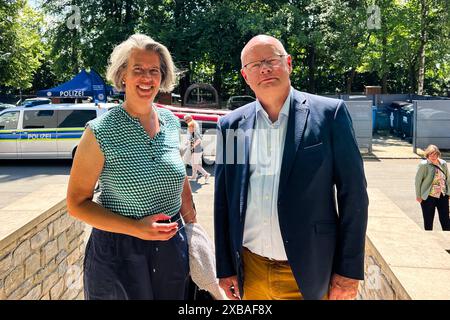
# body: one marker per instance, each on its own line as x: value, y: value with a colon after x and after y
x: 141, y: 175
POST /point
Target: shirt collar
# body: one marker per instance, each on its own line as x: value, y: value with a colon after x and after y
x: 284, y: 110
x: 161, y: 121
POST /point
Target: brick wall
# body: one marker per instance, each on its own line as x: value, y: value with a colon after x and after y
x: 44, y: 262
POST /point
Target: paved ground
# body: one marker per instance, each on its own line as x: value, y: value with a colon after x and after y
x: 203, y: 194
x: 391, y: 168
x: 19, y: 178
x: 395, y: 178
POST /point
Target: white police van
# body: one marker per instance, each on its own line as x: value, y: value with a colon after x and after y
x: 49, y: 131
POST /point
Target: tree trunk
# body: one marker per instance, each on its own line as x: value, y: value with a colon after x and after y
x: 384, y: 83
x: 180, y: 49
x: 423, y: 42
x: 311, y: 58
x: 412, y: 78
x: 352, y: 73
x: 185, y: 81
x: 129, y: 23
x: 217, y: 80
x: 127, y: 11
x: 384, y: 65
x: 350, y: 78
x: 74, y: 51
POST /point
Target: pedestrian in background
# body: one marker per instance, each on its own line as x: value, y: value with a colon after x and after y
x: 433, y: 188
x: 195, y: 149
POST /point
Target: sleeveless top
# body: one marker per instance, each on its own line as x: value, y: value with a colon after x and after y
x: 141, y: 176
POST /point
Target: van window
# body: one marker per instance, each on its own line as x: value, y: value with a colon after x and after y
x: 75, y: 118
x: 9, y: 120
x: 39, y: 119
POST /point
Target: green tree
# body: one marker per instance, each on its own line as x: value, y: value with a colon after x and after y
x: 21, y: 48
x: 412, y: 42
x: 335, y: 45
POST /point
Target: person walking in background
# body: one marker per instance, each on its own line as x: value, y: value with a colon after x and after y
x: 433, y: 188
x: 138, y: 247
x: 195, y: 149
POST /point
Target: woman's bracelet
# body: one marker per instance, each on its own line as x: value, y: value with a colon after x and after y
x: 187, y: 214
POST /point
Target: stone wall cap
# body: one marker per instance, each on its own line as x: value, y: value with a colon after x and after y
x: 417, y: 258
x: 424, y: 283
x: 25, y: 213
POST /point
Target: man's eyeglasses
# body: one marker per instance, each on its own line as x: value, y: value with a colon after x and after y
x: 271, y: 62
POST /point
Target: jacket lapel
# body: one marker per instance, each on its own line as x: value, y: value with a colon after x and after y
x: 246, y: 126
x: 298, y: 113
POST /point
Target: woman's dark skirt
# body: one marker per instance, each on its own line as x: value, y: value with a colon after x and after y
x: 122, y: 267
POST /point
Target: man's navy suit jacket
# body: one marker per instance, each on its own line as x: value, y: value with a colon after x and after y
x: 322, y: 197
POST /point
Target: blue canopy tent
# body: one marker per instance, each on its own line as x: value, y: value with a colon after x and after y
x: 84, y: 84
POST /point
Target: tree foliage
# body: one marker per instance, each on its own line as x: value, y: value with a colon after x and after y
x: 336, y: 45
x: 21, y: 48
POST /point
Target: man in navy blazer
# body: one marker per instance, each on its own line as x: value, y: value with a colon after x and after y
x: 292, y: 227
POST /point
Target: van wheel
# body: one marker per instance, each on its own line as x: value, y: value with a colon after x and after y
x: 73, y: 153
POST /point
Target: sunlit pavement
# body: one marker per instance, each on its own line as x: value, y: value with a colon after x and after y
x: 394, y: 177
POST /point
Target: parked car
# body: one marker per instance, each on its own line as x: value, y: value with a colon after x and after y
x: 35, y: 102
x: 54, y: 130
x: 4, y: 106
x: 238, y: 101
x: 50, y: 131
